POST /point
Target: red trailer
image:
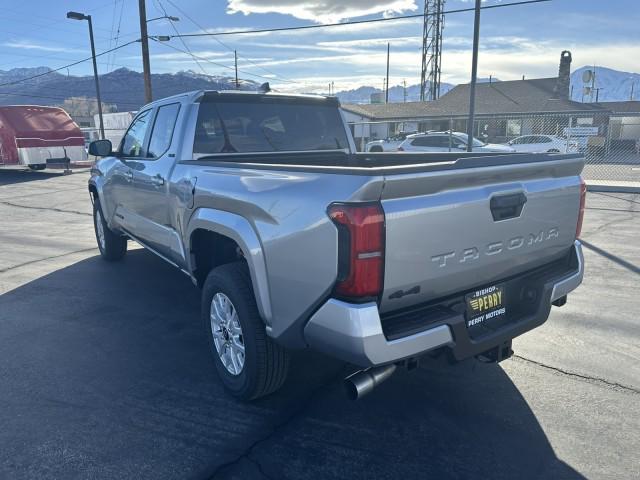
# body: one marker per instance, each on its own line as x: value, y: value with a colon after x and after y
x: 35, y: 136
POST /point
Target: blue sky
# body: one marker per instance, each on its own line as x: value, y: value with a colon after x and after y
x: 515, y: 41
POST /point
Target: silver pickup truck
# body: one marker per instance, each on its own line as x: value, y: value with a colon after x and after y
x: 297, y: 241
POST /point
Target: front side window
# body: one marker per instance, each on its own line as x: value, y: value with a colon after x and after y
x: 163, y: 129
x: 133, y: 141
x: 267, y: 126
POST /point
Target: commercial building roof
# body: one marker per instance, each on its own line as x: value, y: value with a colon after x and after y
x: 629, y: 106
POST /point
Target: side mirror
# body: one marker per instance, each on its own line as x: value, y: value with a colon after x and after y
x: 461, y: 147
x: 510, y: 142
x: 100, y: 148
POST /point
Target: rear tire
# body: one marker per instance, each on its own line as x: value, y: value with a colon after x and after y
x: 112, y: 246
x: 375, y: 149
x: 39, y: 166
x: 242, y: 337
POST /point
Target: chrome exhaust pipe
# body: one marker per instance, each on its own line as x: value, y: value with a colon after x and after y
x: 360, y: 383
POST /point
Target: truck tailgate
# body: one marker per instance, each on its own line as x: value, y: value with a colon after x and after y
x: 461, y: 228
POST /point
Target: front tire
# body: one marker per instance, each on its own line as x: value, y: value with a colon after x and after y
x: 112, y: 246
x: 38, y: 167
x: 248, y: 362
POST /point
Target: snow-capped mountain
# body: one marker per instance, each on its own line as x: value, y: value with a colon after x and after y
x: 396, y: 93
x: 614, y: 85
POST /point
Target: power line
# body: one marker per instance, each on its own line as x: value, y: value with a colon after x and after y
x: 112, y: 58
x: 209, y: 61
x: 186, y: 15
x: 352, y: 22
x: 175, y: 29
x: 15, y: 82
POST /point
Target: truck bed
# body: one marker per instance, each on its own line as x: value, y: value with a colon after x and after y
x: 437, y: 210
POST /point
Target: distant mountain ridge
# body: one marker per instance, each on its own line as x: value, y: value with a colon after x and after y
x: 122, y: 87
x: 396, y: 94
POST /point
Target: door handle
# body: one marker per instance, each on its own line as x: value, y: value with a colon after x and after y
x: 504, y: 207
x: 128, y: 175
x: 157, y: 180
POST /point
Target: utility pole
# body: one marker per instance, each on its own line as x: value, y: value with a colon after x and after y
x: 474, y: 75
x: 404, y: 90
x: 144, y: 40
x: 598, y: 93
x: 633, y: 84
x: 235, y: 59
x: 386, y: 94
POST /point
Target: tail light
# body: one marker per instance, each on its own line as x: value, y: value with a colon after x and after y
x: 360, y: 249
x: 583, y: 199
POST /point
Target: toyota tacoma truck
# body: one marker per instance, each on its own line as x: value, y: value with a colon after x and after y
x: 296, y: 240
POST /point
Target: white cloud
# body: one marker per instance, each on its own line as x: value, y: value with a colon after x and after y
x: 28, y: 45
x: 396, y: 42
x: 322, y: 11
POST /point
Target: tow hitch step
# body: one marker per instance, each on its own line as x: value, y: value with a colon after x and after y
x: 496, y: 354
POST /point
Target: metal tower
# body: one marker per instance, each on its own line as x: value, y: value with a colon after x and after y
x: 431, y: 49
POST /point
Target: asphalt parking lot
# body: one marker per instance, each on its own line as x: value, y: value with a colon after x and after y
x: 104, y: 373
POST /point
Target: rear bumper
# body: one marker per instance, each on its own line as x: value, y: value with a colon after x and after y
x: 355, y: 332
x: 51, y: 155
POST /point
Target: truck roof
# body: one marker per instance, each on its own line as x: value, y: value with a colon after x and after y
x: 200, y: 95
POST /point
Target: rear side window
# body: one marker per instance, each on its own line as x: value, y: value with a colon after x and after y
x: 163, y: 129
x: 434, y: 141
x: 267, y: 126
x: 133, y: 141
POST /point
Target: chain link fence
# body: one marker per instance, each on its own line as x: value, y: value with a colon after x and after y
x: 610, y: 144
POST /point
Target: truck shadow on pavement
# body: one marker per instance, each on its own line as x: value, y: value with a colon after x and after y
x: 105, y: 374
x: 20, y: 175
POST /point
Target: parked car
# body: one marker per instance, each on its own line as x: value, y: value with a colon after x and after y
x: 448, y: 142
x: 390, y: 144
x: 543, y: 143
x: 297, y: 241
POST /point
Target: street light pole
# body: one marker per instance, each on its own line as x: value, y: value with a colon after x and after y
x: 474, y: 74
x: 144, y: 40
x: 81, y: 16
